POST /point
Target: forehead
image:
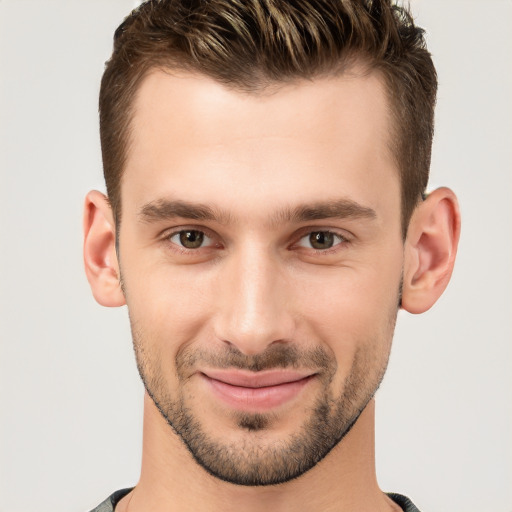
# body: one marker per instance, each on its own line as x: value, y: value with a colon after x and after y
x: 188, y: 104
x: 288, y: 142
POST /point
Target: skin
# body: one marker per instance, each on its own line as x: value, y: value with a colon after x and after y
x: 257, y: 286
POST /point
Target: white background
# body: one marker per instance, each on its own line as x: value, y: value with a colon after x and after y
x: 71, y: 401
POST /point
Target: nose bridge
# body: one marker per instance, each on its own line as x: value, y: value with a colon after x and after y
x: 254, y: 308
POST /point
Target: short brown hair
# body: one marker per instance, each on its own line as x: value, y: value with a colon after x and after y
x: 249, y: 44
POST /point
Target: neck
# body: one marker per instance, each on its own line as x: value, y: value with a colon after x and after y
x: 171, y: 479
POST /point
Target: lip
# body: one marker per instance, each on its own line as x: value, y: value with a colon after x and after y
x: 256, y: 391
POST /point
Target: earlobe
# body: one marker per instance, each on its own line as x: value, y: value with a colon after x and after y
x: 100, y: 259
x: 430, y: 250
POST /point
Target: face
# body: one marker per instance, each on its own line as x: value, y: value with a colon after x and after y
x: 261, y: 256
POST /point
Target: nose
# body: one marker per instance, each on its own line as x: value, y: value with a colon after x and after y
x: 254, y: 307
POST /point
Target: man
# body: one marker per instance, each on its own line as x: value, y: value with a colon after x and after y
x: 266, y: 165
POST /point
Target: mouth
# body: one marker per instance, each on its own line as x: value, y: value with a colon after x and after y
x: 256, y: 391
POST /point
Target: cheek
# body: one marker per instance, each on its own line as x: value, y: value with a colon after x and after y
x: 167, y: 306
x: 352, y: 310
x: 351, y: 299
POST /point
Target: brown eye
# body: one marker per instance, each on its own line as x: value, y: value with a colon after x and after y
x: 321, y: 240
x: 190, y: 238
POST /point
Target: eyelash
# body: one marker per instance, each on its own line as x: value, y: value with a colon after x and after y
x: 342, y: 240
x: 184, y: 250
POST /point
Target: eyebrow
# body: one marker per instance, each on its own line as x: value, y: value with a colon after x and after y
x: 165, y: 209
x: 337, y: 209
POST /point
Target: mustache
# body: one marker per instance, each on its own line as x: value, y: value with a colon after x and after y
x: 282, y: 355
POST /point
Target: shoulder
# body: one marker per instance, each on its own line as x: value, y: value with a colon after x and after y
x: 110, y: 503
x: 403, y: 501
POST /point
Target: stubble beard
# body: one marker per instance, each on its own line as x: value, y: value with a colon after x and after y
x: 255, y: 459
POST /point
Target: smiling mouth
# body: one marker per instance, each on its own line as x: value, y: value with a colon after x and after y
x: 256, y: 391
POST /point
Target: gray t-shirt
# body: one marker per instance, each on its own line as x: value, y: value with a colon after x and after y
x: 110, y: 503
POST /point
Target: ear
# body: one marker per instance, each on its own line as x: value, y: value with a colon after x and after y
x: 101, y: 264
x: 430, y: 249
